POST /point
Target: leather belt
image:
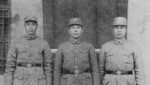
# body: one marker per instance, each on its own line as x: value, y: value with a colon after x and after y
x: 65, y: 71
x: 120, y: 72
x: 29, y: 65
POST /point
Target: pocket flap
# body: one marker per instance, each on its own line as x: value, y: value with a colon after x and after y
x: 41, y: 76
x: 67, y: 51
x: 19, y: 73
x: 18, y: 76
x: 64, y: 76
x: 88, y: 75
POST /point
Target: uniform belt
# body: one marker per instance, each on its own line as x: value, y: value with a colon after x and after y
x: 120, y: 72
x: 29, y: 65
x: 76, y: 71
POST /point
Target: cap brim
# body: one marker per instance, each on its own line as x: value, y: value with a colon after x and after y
x: 76, y: 24
x: 30, y: 21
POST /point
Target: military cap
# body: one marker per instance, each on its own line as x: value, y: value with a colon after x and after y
x: 120, y: 21
x: 30, y: 18
x: 75, y: 21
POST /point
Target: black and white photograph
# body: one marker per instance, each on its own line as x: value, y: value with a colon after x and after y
x: 74, y: 42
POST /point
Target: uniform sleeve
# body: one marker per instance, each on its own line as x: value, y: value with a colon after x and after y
x: 101, y: 63
x: 95, y: 68
x: 10, y: 65
x: 57, y: 67
x: 48, y: 64
x: 139, y: 66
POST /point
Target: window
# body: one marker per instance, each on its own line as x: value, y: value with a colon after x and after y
x: 4, y: 32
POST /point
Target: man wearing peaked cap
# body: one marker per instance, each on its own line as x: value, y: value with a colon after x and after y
x: 30, y: 18
x: 120, y: 60
x: 76, y: 61
x: 75, y: 21
x: 29, y: 58
x: 120, y: 21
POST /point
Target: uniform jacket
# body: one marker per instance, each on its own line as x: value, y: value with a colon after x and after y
x: 76, y: 55
x: 28, y: 49
x: 121, y: 55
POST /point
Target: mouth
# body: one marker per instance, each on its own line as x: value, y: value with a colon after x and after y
x: 119, y: 34
x: 31, y: 31
x: 76, y: 34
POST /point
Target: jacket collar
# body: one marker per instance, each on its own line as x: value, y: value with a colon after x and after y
x: 30, y: 37
x: 75, y: 41
x: 119, y: 42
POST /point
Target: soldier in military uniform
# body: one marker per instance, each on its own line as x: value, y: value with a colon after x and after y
x: 120, y: 59
x: 75, y: 61
x: 29, y: 58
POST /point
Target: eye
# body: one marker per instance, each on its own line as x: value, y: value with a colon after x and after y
x: 122, y: 26
x: 27, y: 23
x: 33, y: 23
x: 116, y: 26
x: 79, y: 27
x: 71, y: 27
x: 119, y: 26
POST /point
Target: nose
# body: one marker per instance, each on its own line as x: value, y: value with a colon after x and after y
x: 119, y: 28
x: 76, y: 29
x: 30, y: 26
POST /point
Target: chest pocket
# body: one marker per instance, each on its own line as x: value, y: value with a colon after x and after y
x: 67, y: 54
x: 83, y: 56
x: 83, y: 53
x: 128, y: 56
x: 22, y: 52
x: 22, y: 49
x: 109, y: 56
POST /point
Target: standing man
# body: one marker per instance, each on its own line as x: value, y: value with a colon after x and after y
x: 29, y: 58
x: 76, y: 61
x: 120, y: 59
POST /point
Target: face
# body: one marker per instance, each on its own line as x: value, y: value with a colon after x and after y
x: 119, y: 31
x: 75, y: 31
x: 30, y: 27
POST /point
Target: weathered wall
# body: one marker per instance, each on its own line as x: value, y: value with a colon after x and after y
x: 22, y: 8
x: 138, y: 23
x: 97, y: 16
x: 139, y: 30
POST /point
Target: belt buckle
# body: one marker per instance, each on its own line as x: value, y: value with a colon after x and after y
x: 29, y: 65
x: 118, y: 72
x: 76, y: 72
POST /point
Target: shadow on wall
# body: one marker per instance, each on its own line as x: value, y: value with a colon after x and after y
x: 16, y: 19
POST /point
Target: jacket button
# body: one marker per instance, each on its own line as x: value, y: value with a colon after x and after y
x: 76, y: 67
x: 29, y: 65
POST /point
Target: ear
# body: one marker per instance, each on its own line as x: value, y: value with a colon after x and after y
x: 37, y: 26
x: 37, y: 23
x: 82, y: 30
x: 68, y: 30
x: 112, y: 30
x: 24, y: 24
